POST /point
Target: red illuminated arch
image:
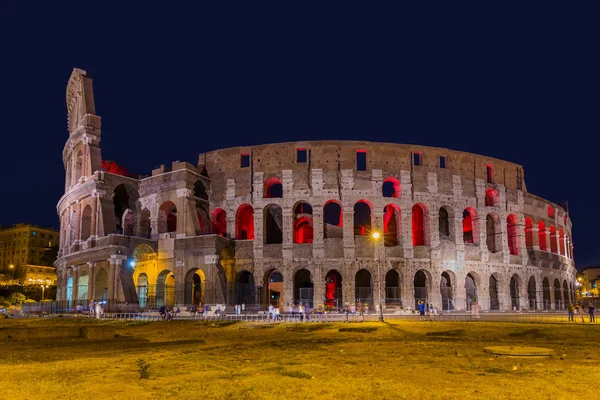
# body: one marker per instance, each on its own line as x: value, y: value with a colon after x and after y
x: 419, y: 214
x: 391, y: 224
x: 470, y: 228
x: 303, y: 223
x: 167, y: 217
x: 542, y: 235
x: 244, y: 222
x: 333, y: 219
x: 362, y: 217
x: 553, y: 246
x: 273, y: 188
x: 391, y: 187
x: 528, y: 232
x: 550, y: 212
x: 218, y: 221
x: 491, y: 197
x: 512, y: 223
x: 561, y: 241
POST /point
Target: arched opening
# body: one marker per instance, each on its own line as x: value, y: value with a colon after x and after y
x: 303, y: 223
x: 528, y: 232
x: 303, y: 288
x: 447, y: 291
x: 444, y: 223
x: 470, y: 231
x: 165, y: 289
x: 492, y: 236
x: 557, y: 295
x: 203, y: 220
x: 471, y: 292
x: 391, y: 188
x: 218, y: 221
x: 542, y: 236
x: 532, y: 293
x: 332, y: 220
x: 561, y: 241
x: 101, y: 285
x: 244, y: 222
x: 391, y: 225
x: 363, y: 288
x: 333, y: 290
x: 491, y: 197
x: 514, y: 292
x: 124, y: 198
x: 86, y: 223
x: 73, y: 227
x: 513, y: 237
x: 419, y: 213
x: 245, y: 290
x: 145, y: 227
x: 392, y: 288
x: 273, y: 188
x: 362, y: 218
x: 274, y: 292
x: 566, y: 297
x: 194, y: 287
x: 273, y: 218
x: 167, y: 217
x: 142, y: 290
x: 494, y: 302
x: 70, y: 289
x: 127, y: 223
x: 546, y: 293
x: 553, y: 247
x: 82, y: 286
x: 420, y: 284
x: 200, y: 192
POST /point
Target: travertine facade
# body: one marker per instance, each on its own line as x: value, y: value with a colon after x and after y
x: 292, y: 222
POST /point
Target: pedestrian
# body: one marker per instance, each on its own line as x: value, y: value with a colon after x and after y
x: 292, y: 311
x: 430, y: 312
x: 591, y: 309
x: 581, y: 311
x: 307, y: 312
x: 571, y: 310
x: 301, y: 312
x: 92, y: 305
x: 421, y: 310
x: 270, y: 311
x: 243, y: 308
x: 277, y: 314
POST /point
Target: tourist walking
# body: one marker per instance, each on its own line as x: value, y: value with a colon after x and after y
x: 301, y: 312
x: 277, y: 314
x: 421, y: 310
x: 580, y: 312
x: 591, y: 310
x: 430, y: 312
x: 571, y: 310
x: 270, y: 311
x: 92, y: 305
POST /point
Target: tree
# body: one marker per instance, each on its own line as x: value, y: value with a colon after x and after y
x: 17, y: 298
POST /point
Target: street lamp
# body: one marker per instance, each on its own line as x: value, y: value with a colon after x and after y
x: 376, y: 236
x: 12, y: 269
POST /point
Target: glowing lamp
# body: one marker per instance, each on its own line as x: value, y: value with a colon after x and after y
x: 132, y: 264
x: 376, y: 235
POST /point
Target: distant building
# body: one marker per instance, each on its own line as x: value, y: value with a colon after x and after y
x: 588, y: 282
x: 23, y: 252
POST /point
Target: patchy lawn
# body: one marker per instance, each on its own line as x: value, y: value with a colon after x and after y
x: 196, y: 360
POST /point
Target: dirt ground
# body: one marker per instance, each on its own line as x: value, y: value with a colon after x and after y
x: 200, y: 360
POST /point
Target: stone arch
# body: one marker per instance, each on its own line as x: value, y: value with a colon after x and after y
x: 561, y: 241
x: 363, y: 287
x: 422, y: 286
x: 273, y: 188
x: 493, y: 237
x: 420, y: 232
x: 143, y: 252
x: 333, y: 220
x: 532, y: 293
x: 101, y: 284
x: 494, y: 291
x: 142, y: 289
x: 393, y: 288
x: 553, y: 247
x: 167, y: 217
x: 392, y: 218
x: 447, y: 288
x: 546, y: 294
x: 472, y: 284
x: 273, y: 224
x: 195, y: 287
x: 218, y: 220
x: 542, y: 235
x: 86, y: 223
x: 165, y: 288
x: 273, y: 283
x: 512, y: 224
x: 145, y: 228
x: 244, y: 222
x: 444, y: 223
x: 245, y: 290
x: 492, y: 197
x: 391, y: 188
x: 515, y: 295
x: 127, y: 223
x: 558, y: 305
x: 470, y: 224
x: 200, y: 191
x: 303, y: 287
x: 528, y: 232
x: 82, y: 285
x: 333, y: 289
x: 124, y: 198
x: 566, y: 296
x: 303, y: 222
x: 69, y: 288
x: 363, y: 218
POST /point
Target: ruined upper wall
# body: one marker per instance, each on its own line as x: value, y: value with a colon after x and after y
x: 333, y: 156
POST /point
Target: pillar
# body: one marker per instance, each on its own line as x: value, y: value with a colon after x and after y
x: 92, y: 280
x: 348, y: 230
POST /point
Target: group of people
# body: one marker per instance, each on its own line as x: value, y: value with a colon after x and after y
x: 301, y: 311
x: 426, y: 311
x: 168, y: 314
x: 96, y: 309
x: 579, y: 309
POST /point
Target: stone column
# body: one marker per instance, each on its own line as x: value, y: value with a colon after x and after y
x: 318, y: 241
x: 434, y: 232
x: 215, y: 285
x: 348, y: 230
x: 92, y: 280
x: 288, y: 288
x: 185, y: 227
x: 318, y: 279
x: 75, y: 282
x: 408, y: 290
x: 552, y: 297
x: 407, y: 232
x: 231, y: 228
x: 258, y: 242
x: 179, y: 282
x: 288, y: 235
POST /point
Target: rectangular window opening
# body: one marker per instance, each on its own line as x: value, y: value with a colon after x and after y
x: 301, y: 155
x: 442, y: 161
x: 245, y: 160
x: 361, y: 160
x: 417, y: 158
x: 490, y: 173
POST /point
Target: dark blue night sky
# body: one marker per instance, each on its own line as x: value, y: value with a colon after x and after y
x: 517, y: 84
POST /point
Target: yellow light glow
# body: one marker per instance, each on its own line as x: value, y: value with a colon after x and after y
x: 375, y: 235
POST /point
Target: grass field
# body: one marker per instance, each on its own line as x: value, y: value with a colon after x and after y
x: 195, y: 360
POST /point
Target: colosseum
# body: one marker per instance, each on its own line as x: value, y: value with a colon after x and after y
x: 291, y: 223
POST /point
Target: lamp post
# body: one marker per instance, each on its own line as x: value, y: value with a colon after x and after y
x: 376, y: 237
x: 12, y: 270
